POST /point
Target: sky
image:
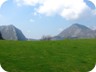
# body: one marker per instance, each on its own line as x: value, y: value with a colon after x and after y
x: 36, y: 18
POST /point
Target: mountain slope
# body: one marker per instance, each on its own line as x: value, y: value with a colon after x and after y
x: 10, y: 32
x: 1, y: 37
x: 19, y: 34
x: 77, y: 31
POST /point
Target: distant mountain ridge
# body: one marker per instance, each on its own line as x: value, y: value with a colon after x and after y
x: 76, y: 31
x: 10, y: 32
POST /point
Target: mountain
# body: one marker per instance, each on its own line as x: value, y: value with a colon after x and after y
x: 95, y: 31
x: 30, y: 39
x: 77, y: 31
x: 1, y: 38
x: 10, y: 32
x: 57, y: 38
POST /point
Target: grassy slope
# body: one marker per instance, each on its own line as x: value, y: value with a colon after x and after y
x: 48, y: 56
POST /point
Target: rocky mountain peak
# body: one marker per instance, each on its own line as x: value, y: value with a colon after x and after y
x: 10, y: 32
x: 79, y: 26
x: 77, y: 31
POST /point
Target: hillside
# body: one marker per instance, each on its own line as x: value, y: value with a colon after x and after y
x: 48, y: 56
x: 1, y: 37
x: 10, y: 32
x: 76, y: 31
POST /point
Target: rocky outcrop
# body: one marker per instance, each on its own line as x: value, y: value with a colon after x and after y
x: 10, y: 32
x: 77, y: 31
x: 1, y: 38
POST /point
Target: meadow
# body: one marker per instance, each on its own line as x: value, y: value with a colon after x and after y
x: 48, y: 56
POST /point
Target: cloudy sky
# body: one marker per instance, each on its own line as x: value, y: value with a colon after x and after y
x: 47, y: 17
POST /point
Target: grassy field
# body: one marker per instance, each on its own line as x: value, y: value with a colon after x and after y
x: 48, y: 56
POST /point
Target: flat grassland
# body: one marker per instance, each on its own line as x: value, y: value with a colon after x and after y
x: 48, y: 56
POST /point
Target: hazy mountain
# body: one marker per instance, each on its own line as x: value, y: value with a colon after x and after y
x: 57, y: 38
x: 77, y: 31
x: 10, y: 32
x: 30, y: 39
x: 95, y: 31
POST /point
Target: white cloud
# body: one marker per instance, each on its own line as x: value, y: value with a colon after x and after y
x: 69, y: 9
x: 2, y: 2
x: 31, y: 20
x: 93, y: 12
x: 35, y: 13
x: 28, y: 2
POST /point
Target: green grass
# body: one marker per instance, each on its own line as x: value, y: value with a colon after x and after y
x: 48, y: 56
